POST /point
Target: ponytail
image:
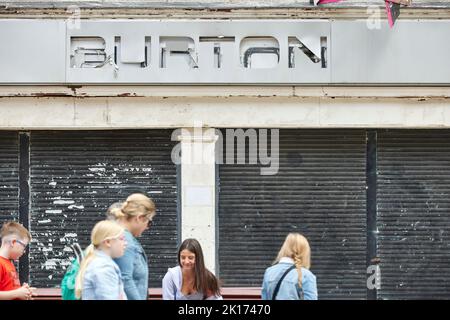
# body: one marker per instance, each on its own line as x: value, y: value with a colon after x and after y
x: 135, y: 205
x: 124, y: 205
x: 89, y: 256
x: 298, y: 261
x: 117, y: 213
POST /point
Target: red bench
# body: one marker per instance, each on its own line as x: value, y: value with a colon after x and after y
x: 241, y: 293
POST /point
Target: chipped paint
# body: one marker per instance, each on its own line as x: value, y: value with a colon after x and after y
x: 63, y: 202
x: 75, y: 207
x: 53, y: 211
x: 51, y: 264
x: 64, y: 207
x: 70, y: 235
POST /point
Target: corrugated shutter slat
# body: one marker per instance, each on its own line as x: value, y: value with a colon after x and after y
x: 9, y: 176
x: 320, y: 191
x: 413, y: 213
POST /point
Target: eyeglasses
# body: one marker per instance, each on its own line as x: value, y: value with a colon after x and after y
x: 24, y: 245
x: 149, y: 220
x: 121, y: 238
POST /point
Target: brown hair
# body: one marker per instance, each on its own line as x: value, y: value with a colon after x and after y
x: 135, y: 205
x: 14, y: 228
x: 205, y: 281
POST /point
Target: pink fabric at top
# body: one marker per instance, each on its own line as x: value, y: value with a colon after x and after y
x: 327, y: 1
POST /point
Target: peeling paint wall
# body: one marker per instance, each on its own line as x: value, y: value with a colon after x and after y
x: 75, y: 176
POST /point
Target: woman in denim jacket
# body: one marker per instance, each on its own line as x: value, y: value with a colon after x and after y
x: 299, y: 282
x: 99, y: 277
x: 135, y: 215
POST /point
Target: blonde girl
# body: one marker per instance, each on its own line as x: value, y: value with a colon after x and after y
x: 99, y: 278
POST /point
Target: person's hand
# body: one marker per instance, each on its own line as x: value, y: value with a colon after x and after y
x: 24, y: 292
x: 33, y: 292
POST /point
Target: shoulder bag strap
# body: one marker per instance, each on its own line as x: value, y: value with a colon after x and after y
x: 277, y: 288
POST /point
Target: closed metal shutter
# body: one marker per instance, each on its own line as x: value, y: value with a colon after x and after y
x: 414, y: 214
x: 76, y: 175
x: 9, y: 176
x: 319, y: 191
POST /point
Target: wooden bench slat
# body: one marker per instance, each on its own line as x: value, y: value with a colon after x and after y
x: 156, y: 293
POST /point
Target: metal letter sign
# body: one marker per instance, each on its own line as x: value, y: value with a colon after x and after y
x: 198, y: 52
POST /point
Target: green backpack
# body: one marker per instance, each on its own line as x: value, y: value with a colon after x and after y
x: 69, y: 279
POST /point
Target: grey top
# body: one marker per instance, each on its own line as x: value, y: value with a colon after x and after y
x: 171, y: 287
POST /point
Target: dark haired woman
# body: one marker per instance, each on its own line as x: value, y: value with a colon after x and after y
x: 190, y: 280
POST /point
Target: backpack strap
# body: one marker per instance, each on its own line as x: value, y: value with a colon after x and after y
x: 277, y: 288
x: 78, y: 252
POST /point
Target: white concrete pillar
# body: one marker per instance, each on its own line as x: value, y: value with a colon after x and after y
x: 198, y: 178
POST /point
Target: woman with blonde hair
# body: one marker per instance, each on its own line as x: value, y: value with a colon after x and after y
x: 99, y: 278
x: 135, y: 215
x: 281, y: 282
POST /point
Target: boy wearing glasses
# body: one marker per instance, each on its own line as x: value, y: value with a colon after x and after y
x: 14, y: 240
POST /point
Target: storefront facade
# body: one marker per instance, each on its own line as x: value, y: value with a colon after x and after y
x: 91, y: 110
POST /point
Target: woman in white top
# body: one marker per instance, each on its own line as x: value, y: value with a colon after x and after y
x: 190, y: 280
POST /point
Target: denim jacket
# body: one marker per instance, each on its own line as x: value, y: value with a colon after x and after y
x: 134, y: 267
x: 289, y: 289
x: 102, y: 279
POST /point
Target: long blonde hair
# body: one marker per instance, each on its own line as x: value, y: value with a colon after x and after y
x: 102, y: 231
x: 297, y: 248
x: 135, y: 205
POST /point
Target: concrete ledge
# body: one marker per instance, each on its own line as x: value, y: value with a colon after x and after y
x: 198, y: 91
x: 70, y: 113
